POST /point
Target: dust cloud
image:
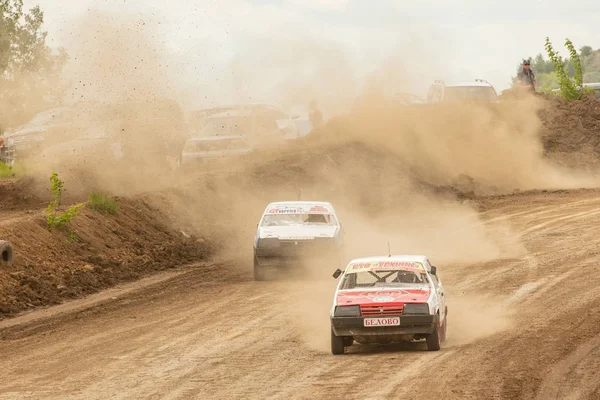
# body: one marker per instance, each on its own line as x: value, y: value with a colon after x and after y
x: 472, y: 318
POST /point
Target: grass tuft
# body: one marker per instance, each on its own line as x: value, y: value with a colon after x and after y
x: 103, y: 203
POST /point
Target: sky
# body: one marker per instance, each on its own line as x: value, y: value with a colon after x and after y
x: 274, y: 42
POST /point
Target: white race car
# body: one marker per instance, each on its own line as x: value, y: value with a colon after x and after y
x: 388, y: 299
x: 294, y: 231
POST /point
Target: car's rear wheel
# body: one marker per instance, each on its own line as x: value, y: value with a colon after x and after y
x: 444, y: 329
x: 259, y: 273
x: 337, y: 344
x: 434, y: 339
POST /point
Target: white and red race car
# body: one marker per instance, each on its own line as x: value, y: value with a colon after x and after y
x: 388, y: 299
x: 290, y: 232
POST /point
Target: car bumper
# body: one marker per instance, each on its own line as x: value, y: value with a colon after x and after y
x: 289, y: 257
x: 409, y: 325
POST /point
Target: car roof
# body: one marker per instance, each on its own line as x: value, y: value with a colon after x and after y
x: 468, y: 83
x: 401, y: 258
x: 215, y: 137
x: 300, y: 202
x: 237, y: 109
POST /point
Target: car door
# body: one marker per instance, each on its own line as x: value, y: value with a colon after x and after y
x: 440, y: 295
x: 439, y: 290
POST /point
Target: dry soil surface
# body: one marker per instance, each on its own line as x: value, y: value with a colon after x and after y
x: 526, y: 327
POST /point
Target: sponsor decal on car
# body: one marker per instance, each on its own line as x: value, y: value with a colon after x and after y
x: 383, y: 299
x: 319, y: 210
x: 375, y: 322
x: 285, y: 210
x: 302, y: 209
x: 386, y: 265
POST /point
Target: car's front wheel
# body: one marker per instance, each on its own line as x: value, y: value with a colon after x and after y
x: 337, y: 344
x: 444, y: 330
x: 434, y: 339
x: 259, y: 273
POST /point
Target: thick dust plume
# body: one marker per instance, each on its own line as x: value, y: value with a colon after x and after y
x: 498, y: 146
x: 123, y: 130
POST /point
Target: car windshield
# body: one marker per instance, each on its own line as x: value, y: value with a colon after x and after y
x: 454, y: 93
x: 225, y: 126
x: 54, y: 116
x: 298, y: 219
x: 386, y: 278
x: 216, y: 145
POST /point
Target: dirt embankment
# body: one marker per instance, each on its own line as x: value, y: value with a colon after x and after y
x: 49, y: 267
x: 571, y: 131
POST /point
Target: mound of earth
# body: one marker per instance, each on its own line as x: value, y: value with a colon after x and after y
x: 49, y: 267
x: 571, y: 131
x: 20, y: 195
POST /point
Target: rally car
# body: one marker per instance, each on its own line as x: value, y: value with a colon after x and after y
x: 294, y: 231
x: 388, y: 299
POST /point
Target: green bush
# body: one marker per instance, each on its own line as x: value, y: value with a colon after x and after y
x: 56, y: 219
x: 103, y: 203
x: 17, y: 170
x: 569, y: 89
x: 6, y: 171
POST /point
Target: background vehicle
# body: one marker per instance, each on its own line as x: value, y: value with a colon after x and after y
x: 595, y: 87
x: 6, y: 154
x: 388, y: 299
x: 295, y: 231
x: 477, y: 90
x: 208, y: 147
x: 260, y: 123
x: 406, y: 99
x: 57, y: 124
x: 145, y: 131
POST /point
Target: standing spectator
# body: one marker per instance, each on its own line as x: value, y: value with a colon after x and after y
x: 526, y: 77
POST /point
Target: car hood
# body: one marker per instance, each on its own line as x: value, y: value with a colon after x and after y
x: 216, y: 153
x: 382, y: 295
x: 297, y: 232
x: 27, y: 131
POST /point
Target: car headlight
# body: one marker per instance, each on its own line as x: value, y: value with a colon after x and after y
x: 416, y: 309
x: 347, y: 311
x: 268, y: 243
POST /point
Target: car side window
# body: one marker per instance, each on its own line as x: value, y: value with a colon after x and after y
x: 435, y: 280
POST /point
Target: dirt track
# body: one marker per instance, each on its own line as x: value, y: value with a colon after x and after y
x: 519, y: 328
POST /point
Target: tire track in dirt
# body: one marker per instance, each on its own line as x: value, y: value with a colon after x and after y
x: 577, y: 376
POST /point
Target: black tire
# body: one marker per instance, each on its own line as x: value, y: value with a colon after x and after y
x: 337, y: 344
x: 259, y: 273
x: 348, y: 341
x: 434, y: 339
x: 6, y: 253
x: 444, y: 328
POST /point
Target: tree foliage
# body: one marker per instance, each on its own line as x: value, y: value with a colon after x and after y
x: 29, y: 69
x: 568, y: 88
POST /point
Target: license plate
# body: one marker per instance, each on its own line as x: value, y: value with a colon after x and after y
x: 373, y: 322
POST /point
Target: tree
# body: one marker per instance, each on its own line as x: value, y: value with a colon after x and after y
x: 29, y: 70
x: 586, y: 51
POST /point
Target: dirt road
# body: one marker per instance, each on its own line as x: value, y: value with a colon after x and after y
x: 527, y: 327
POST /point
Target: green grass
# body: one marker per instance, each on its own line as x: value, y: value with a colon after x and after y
x: 6, y: 172
x: 103, y: 203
